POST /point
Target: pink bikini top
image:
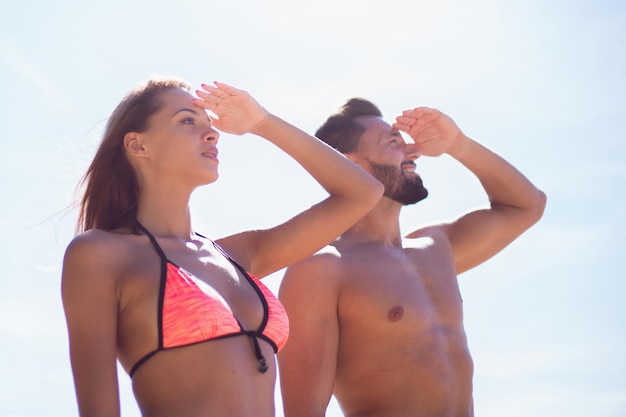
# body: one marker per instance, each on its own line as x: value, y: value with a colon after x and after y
x: 191, y: 312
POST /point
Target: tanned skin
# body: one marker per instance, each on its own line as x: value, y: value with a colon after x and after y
x: 376, y: 317
x: 111, y: 278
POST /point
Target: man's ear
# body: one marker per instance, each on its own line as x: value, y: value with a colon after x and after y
x: 133, y: 144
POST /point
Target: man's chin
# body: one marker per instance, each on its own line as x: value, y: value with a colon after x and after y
x: 415, y: 199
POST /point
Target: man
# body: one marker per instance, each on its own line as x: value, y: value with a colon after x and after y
x: 377, y: 319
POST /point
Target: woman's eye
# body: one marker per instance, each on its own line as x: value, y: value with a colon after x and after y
x: 188, y: 121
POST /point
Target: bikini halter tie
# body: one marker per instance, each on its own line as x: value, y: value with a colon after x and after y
x: 262, y: 362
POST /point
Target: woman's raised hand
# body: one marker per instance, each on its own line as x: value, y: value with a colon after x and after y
x: 235, y: 111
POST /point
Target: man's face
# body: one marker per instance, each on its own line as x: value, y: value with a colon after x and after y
x: 399, y: 186
x: 384, y: 154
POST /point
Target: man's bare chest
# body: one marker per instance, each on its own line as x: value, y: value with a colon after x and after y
x: 417, y: 286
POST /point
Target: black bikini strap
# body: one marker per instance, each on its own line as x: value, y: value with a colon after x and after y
x: 162, y: 280
x: 254, y: 335
x: 152, y: 239
x: 230, y: 259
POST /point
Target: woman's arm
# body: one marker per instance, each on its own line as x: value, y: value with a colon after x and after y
x: 353, y: 192
x: 90, y: 304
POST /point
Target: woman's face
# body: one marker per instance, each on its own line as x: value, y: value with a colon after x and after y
x: 180, y: 142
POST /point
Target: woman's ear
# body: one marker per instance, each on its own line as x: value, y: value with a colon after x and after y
x: 133, y: 144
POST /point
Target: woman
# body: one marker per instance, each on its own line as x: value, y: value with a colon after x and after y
x: 182, y: 314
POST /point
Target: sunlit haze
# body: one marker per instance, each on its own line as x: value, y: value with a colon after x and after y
x: 542, y: 83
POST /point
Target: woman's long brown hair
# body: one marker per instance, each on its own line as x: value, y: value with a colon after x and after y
x: 110, y: 185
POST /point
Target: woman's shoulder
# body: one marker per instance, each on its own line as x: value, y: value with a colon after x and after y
x: 100, y: 239
x: 101, y: 246
x: 94, y: 268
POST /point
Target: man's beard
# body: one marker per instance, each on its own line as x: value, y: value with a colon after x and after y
x: 399, y: 186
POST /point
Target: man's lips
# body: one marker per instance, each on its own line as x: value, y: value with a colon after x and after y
x: 408, y: 166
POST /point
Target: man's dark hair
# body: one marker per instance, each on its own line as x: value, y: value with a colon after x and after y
x: 341, y: 130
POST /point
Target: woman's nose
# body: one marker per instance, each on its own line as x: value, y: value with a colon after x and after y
x: 211, y: 135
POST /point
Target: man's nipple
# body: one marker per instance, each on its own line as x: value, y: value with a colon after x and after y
x: 395, y: 313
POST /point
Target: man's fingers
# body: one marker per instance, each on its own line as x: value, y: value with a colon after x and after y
x: 405, y: 120
x: 420, y: 112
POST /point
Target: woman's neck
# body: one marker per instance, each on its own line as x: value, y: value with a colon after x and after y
x: 165, y: 213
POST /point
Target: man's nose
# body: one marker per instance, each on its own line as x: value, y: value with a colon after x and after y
x: 411, y: 152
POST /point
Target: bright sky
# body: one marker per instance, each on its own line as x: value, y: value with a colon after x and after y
x: 540, y: 82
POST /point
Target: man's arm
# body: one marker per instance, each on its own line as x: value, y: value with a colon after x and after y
x: 308, y: 361
x: 515, y: 203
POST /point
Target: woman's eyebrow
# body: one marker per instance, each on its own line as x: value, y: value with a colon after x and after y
x: 184, y: 109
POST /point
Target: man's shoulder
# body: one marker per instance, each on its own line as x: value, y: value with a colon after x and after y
x: 326, y: 258
x: 433, y: 231
x: 323, y: 268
